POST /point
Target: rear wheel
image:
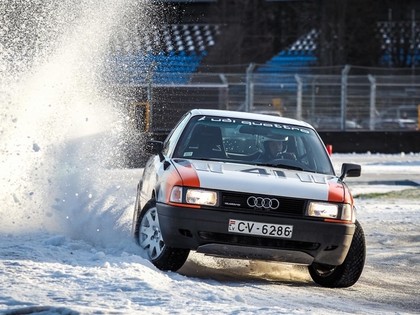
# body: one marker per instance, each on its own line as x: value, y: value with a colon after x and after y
x: 346, y: 274
x: 151, y: 240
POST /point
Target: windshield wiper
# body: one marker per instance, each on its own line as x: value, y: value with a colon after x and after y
x: 205, y: 159
x: 282, y: 165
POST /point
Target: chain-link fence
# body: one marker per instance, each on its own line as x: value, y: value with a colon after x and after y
x: 333, y: 98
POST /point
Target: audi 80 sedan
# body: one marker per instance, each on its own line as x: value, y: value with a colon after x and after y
x: 248, y: 186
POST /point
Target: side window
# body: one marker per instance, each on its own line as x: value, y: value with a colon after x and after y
x: 184, y: 137
x: 316, y: 156
x: 306, y: 154
x: 171, y: 140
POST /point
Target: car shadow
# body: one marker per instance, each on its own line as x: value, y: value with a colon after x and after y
x: 240, y: 271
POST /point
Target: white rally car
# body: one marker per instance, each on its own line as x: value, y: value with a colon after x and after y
x: 250, y: 186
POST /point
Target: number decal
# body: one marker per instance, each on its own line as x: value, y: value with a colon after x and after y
x: 263, y: 171
x: 256, y: 170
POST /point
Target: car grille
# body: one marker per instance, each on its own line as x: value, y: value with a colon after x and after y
x: 279, y: 205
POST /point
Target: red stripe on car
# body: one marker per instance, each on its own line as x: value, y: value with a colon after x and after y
x: 335, y: 192
x: 188, y: 175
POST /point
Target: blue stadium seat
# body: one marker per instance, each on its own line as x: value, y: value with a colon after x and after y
x: 395, y: 35
x: 297, y: 58
x: 174, y: 49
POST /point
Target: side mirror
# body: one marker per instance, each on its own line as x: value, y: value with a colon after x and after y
x: 350, y: 170
x: 154, y: 147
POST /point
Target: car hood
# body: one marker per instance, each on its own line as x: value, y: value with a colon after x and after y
x: 261, y: 180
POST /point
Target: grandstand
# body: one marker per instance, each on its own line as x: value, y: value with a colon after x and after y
x: 276, y: 50
x: 297, y: 58
x: 205, y: 36
x: 400, y: 43
x: 171, y: 52
x: 168, y: 55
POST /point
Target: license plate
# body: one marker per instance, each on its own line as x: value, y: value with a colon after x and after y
x: 259, y: 228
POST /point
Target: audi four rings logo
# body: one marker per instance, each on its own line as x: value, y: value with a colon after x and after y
x: 263, y: 203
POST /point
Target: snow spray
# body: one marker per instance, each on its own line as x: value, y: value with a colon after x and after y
x: 58, y: 130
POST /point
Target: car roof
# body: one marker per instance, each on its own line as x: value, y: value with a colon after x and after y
x: 246, y: 115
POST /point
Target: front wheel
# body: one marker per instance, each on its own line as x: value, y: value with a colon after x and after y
x: 151, y: 240
x: 346, y: 274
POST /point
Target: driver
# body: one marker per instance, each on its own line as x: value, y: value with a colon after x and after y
x: 274, y: 148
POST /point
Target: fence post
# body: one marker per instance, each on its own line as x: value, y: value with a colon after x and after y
x: 299, y: 97
x: 223, y: 94
x: 418, y: 117
x: 312, y: 113
x: 249, y: 97
x: 372, y: 102
x: 344, y: 75
x: 149, y: 81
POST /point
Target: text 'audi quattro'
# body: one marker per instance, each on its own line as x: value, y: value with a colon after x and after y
x: 248, y: 186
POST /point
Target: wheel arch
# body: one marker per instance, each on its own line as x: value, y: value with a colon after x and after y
x: 138, y: 212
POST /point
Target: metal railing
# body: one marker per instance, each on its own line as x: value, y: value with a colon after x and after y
x: 335, y: 98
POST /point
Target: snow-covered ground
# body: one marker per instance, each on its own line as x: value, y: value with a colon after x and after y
x: 78, y: 257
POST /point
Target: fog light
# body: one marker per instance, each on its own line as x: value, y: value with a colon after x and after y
x: 176, y: 194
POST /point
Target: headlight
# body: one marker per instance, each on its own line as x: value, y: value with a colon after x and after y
x: 193, y: 196
x: 201, y: 197
x: 323, y: 210
x: 331, y: 211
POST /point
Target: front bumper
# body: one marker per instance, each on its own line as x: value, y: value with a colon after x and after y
x: 206, y: 231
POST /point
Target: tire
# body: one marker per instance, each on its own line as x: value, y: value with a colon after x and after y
x: 346, y: 274
x: 149, y: 237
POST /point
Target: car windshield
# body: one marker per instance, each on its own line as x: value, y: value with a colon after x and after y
x: 253, y: 142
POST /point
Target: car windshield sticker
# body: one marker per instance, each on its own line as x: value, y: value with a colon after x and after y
x: 255, y: 123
